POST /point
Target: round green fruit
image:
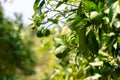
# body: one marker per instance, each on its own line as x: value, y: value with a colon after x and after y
x: 95, y: 17
x: 39, y: 33
x: 46, y: 32
x: 61, y: 52
x: 61, y: 55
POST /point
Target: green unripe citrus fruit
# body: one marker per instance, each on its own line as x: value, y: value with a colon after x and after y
x: 61, y: 52
x: 61, y: 55
x: 95, y: 17
x: 46, y: 32
x: 39, y: 33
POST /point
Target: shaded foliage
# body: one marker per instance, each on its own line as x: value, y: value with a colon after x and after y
x: 16, y: 55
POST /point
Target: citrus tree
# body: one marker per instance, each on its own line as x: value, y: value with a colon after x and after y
x: 87, y: 37
x: 15, y: 56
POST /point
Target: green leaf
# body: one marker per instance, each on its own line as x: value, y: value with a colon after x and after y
x: 59, y: 4
x: 94, y: 77
x: 116, y: 26
x: 100, y: 34
x: 65, y: 0
x: 118, y: 17
x: 101, y: 4
x: 119, y: 2
x: 105, y: 28
x: 90, y: 6
x: 113, y: 12
x: 59, y: 41
x: 64, y: 38
x: 61, y: 52
x: 37, y: 21
x: 35, y: 6
x: 92, y: 42
x: 75, y: 22
x: 111, y: 40
x: 97, y: 63
x: 82, y: 41
x: 79, y: 11
x: 55, y: 21
x: 40, y: 6
x: 96, y: 17
x: 110, y: 2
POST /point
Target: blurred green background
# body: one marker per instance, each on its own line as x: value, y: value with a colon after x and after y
x: 23, y: 56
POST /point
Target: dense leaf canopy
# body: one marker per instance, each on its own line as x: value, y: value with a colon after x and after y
x: 91, y: 49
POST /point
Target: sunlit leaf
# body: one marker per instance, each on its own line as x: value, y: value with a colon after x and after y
x: 40, y: 6
x: 58, y: 41
x: 98, y: 63
x: 119, y: 2
x: 35, y: 6
x: 103, y: 54
x: 90, y: 6
x: 94, y: 77
x: 65, y: 30
x: 113, y: 12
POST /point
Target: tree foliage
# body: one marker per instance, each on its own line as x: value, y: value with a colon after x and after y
x: 91, y: 50
x: 15, y: 56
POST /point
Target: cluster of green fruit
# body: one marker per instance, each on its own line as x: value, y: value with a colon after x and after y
x: 40, y: 32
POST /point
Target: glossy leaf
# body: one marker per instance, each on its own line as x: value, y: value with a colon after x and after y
x: 92, y: 42
x: 98, y: 63
x: 94, y: 77
x: 40, y: 6
x: 58, y: 41
x: 35, y: 6
x: 59, y: 4
x: 113, y: 12
x: 82, y: 42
